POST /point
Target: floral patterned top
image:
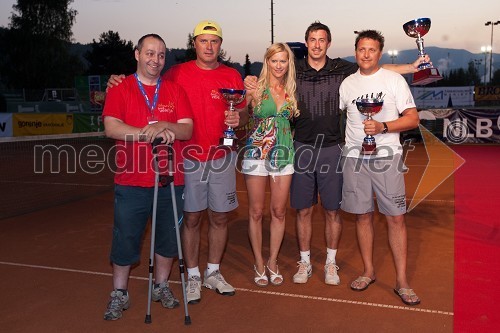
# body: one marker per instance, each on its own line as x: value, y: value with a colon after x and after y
x: 271, y: 136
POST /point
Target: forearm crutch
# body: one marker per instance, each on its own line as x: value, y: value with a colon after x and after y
x: 187, y: 319
x: 147, y: 320
x: 156, y: 142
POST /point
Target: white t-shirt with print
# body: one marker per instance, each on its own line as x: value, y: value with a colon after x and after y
x: 397, y: 98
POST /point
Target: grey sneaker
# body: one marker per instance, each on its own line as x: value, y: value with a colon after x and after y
x: 216, y: 281
x: 193, y: 289
x: 164, y: 294
x: 304, y: 272
x: 331, y: 276
x: 117, y: 303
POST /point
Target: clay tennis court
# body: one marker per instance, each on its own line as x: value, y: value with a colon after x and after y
x: 56, y: 276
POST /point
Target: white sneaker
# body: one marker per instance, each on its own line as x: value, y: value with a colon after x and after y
x: 193, y: 289
x: 304, y: 272
x: 331, y: 276
x: 215, y: 281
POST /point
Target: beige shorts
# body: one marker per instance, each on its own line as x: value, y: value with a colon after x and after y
x: 210, y: 184
x: 383, y: 176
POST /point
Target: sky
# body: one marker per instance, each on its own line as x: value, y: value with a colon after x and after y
x: 246, y: 24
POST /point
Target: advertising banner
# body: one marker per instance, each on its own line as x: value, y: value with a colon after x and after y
x: 41, y: 124
x: 467, y: 125
x: 92, y: 89
x: 88, y: 122
x: 487, y: 93
x: 443, y: 97
x: 5, y: 124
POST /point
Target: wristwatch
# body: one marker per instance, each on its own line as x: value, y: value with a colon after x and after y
x: 386, y: 129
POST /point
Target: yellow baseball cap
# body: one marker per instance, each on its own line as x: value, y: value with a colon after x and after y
x: 208, y: 27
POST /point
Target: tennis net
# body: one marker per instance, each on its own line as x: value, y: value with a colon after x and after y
x: 38, y: 172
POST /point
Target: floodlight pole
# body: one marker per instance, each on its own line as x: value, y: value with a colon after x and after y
x: 491, y: 44
x: 272, y: 22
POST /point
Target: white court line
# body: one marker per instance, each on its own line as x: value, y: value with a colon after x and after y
x: 107, y: 185
x: 424, y: 165
x: 317, y: 298
x: 434, y: 200
x: 53, y: 183
x: 407, y: 198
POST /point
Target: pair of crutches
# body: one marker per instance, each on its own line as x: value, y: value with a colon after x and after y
x: 156, y: 142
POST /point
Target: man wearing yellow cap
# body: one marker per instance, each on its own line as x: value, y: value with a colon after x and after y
x: 209, y: 171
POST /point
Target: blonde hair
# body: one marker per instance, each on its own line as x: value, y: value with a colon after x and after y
x: 289, y: 82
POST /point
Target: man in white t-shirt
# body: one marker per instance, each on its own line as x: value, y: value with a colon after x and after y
x: 381, y: 172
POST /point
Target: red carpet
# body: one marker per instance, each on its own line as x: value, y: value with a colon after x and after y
x: 477, y: 240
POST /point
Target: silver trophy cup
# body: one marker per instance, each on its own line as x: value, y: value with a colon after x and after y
x: 232, y: 98
x: 368, y: 107
x: 417, y: 29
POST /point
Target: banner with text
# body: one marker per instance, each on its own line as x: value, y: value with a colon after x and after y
x: 5, y: 124
x: 88, y: 122
x: 467, y: 125
x: 442, y: 97
x: 41, y: 124
x: 487, y: 93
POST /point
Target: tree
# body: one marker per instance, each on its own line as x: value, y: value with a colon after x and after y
x: 190, y: 53
x: 473, y: 76
x: 247, y: 66
x: 3, y: 56
x: 495, y: 80
x: 44, y: 18
x: 37, y: 45
x: 224, y: 59
x: 461, y: 77
x: 111, y: 55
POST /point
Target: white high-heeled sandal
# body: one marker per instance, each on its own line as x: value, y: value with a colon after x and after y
x: 261, y: 278
x: 275, y: 276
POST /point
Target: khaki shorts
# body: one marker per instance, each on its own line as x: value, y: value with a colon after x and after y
x: 210, y: 184
x: 384, y: 177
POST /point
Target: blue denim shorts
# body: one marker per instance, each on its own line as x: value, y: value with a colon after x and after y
x: 133, y: 208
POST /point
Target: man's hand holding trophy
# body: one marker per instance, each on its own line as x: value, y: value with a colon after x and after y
x: 427, y: 73
x: 232, y: 97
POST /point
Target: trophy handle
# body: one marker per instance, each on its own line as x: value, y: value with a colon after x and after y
x: 232, y: 97
x: 420, y: 46
x: 231, y: 109
x: 421, y: 53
